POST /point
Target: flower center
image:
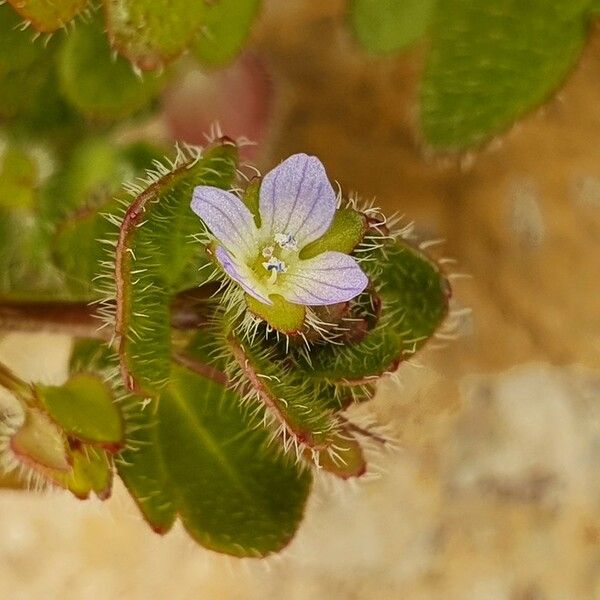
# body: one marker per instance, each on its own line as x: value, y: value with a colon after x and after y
x: 275, y: 257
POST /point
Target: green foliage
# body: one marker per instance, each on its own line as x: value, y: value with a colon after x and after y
x: 152, y: 257
x: 84, y: 409
x: 491, y: 62
x: 225, y: 27
x: 48, y: 15
x: 384, y: 26
x: 211, y: 465
x: 97, y: 84
x: 151, y: 33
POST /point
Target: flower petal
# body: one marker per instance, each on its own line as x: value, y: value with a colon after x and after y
x: 228, y: 219
x: 242, y: 274
x: 328, y: 278
x: 297, y: 198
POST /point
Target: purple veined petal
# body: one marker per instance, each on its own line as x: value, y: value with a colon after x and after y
x: 297, y: 198
x: 228, y: 219
x: 328, y: 278
x: 242, y: 274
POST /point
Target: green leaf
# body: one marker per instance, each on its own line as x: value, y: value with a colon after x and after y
x: 151, y: 33
x: 91, y: 471
x: 234, y: 492
x: 414, y: 301
x: 384, y: 26
x: 491, y: 62
x: 39, y: 444
x: 97, y: 84
x: 346, y: 232
x: 226, y: 26
x: 154, y: 251
x: 90, y: 355
x: 142, y: 468
x: 19, y: 178
x: 48, y: 15
x: 84, y: 408
x: 282, y: 315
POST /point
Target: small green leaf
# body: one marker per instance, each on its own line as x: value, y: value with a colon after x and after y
x: 97, y: 84
x: 19, y: 178
x: 225, y: 29
x: 91, y: 472
x: 383, y: 26
x: 83, y: 407
x: 90, y: 355
x: 151, y: 33
x: 48, y: 15
x: 39, y: 444
x: 345, y: 458
x: 491, y: 62
x: 282, y: 315
x: 346, y: 232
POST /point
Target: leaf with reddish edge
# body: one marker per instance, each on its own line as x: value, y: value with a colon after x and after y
x: 299, y: 409
x: 151, y: 33
x: 153, y: 251
x: 48, y: 15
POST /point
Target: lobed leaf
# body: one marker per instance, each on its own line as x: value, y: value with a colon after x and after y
x: 490, y: 62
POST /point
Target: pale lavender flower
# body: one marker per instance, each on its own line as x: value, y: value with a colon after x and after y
x: 296, y: 205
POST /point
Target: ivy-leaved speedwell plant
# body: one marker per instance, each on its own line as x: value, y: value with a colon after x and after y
x: 242, y: 316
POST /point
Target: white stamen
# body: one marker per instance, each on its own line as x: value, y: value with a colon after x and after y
x: 267, y: 251
x: 286, y: 240
x: 276, y: 266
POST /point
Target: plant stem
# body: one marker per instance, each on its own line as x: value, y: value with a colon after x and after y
x: 189, y: 310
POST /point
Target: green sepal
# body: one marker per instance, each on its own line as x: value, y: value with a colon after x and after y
x: 491, y: 62
x: 48, y: 15
x: 345, y: 459
x: 345, y: 233
x: 384, y: 26
x: 225, y: 29
x: 95, y: 83
x: 283, y: 316
x: 83, y: 408
x: 251, y: 198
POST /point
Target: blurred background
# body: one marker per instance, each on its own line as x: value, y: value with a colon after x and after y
x: 493, y: 491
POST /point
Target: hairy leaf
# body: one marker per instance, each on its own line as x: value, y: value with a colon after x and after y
x: 225, y: 29
x: 233, y: 491
x: 383, y: 26
x: 48, y: 15
x: 153, y: 252
x: 150, y: 33
x: 491, y: 62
